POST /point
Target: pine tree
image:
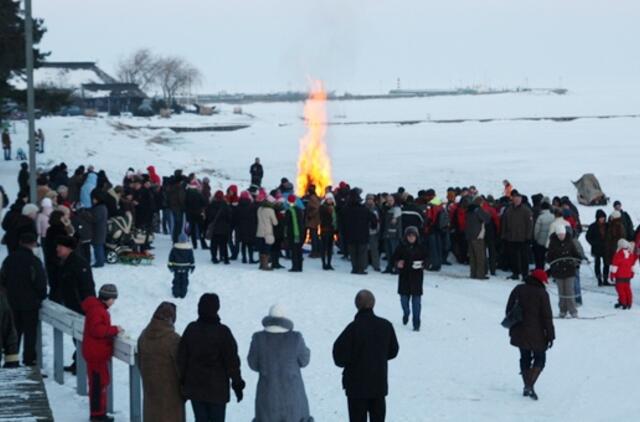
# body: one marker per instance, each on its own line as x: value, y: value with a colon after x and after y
x: 12, y: 42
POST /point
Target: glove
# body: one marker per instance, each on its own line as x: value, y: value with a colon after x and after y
x: 237, y: 389
x: 550, y: 344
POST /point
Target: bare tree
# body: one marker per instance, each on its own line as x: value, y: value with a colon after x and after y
x: 139, y: 68
x: 175, y: 75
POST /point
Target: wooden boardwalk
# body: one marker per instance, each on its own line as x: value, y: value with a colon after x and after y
x: 22, y: 395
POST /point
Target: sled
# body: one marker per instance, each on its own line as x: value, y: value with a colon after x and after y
x: 129, y: 258
x: 589, y: 191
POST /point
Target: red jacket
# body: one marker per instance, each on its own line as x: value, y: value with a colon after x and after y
x: 97, y: 342
x: 622, y: 264
x: 493, y: 213
x: 153, y: 176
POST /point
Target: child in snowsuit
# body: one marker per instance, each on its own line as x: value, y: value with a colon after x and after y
x: 622, y: 273
x: 180, y: 263
x: 97, y: 348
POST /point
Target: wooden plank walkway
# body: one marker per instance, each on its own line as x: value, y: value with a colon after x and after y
x: 22, y: 395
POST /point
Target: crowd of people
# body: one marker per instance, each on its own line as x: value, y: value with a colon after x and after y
x: 395, y: 233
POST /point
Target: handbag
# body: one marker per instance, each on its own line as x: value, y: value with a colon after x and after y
x: 514, y: 316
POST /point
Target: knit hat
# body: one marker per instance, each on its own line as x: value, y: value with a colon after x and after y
x: 370, y: 196
x: 108, y: 291
x: 46, y: 203
x: 219, y: 195
x: 67, y: 241
x: 277, y: 321
x: 182, y: 237
x: 208, y: 305
x: 365, y: 300
x: 411, y: 230
x: 245, y: 195
x: 29, y: 209
x: 540, y: 275
x: 62, y: 189
x: 166, y: 311
x: 600, y: 214
x: 623, y: 244
x: 291, y: 199
x: 262, y: 195
x: 560, y: 229
x: 614, y: 215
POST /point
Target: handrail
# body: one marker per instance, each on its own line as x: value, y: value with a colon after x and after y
x: 66, y: 321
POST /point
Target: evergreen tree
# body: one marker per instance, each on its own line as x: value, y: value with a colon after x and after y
x: 12, y: 42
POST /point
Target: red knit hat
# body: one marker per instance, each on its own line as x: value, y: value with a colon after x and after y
x: 540, y: 275
x: 292, y: 199
x: 219, y: 195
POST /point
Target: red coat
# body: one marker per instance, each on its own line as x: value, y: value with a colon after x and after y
x: 493, y: 213
x: 97, y: 342
x: 431, y: 221
x: 622, y: 264
x: 153, y: 176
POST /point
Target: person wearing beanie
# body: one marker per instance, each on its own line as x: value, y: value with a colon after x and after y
x: 9, y: 344
x: 328, y: 229
x: 294, y: 233
x: 18, y: 221
x: 208, y: 362
x: 246, y: 218
x: 535, y: 333
x: 410, y: 259
x: 97, y: 347
x: 278, y: 353
x: 563, y: 257
x: 218, y: 223
x: 24, y: 278
x: 356, y: 231
x: 363, y: 349
x: 517, y: 232
x: 596, y: 234
x: 622, y: 273
x: 157, y: 352
x: 181, y: 262
x: 626, y: 220
x: 256, y: 172
x: 615, y: 231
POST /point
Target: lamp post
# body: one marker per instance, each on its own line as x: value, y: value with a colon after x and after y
x: 28, y: 29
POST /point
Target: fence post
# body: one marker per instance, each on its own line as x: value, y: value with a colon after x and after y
x: 135, y: 394
x: 58, y: 356
x: 110, y: 388
x: 81, y: 371
x: 39, y: 344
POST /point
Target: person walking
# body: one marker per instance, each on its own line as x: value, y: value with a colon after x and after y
x: 278, y: 353
x: 363, y: 349
x: 562, y: 257
x: 24, y: 278
x: 535, y: 334
x: 157, y: 354
x: 207, y: 360
x: 97, y: 348
x: 410, y: 259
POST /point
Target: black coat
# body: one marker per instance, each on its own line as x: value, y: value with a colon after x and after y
x: 246, y: 215
x: 363, y: 350
x: 410, y: 279
x: 536, y: 329
x: 18, y: 225
x: 207, y: 360
x: 356, y: 224
x: 289, y: 228
x: 218, y: 218
x: 23, y: 180
x: 563, y: 257
x: 23, y: 277
x: 194, y: 203
x: 596, y: 239
x: 256, y: 172
x: 144, y: 208
x: 76, y: 282
x: 51, y: 260
x: 476, y: 217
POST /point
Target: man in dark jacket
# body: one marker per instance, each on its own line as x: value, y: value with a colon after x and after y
x: 19, y: 223
x: 256, y: 173
x: 218, y: 222
x: 25, y: 281
x: 294, y: 233
x: 517, y: 231
x: 76, y: 279
x: 9, y: 345
x: 175, y: 194
x: 475, y: 231
x: 23, y: 178
x: 363, y: 349
x: 356, y: 231
x: 596, y: 237
x: 195, y: 204
x: 207, y: 360
x: 626, y: 221
x: 410, y: 258
x: 535, y: 333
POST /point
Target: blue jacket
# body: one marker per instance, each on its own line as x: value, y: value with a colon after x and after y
x: 87, y: 187
x: 181, y: 258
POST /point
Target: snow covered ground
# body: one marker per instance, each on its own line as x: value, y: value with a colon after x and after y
x: 460, y: 366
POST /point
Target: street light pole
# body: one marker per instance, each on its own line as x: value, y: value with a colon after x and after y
x: 28, y: 28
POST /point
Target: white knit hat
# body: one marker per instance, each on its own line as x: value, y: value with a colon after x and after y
x: 277, y: 311
x: 616, y: 214
x: 623, y: 244
x: 29, y: 209
x: 560, y: 229
x: 46, y: 203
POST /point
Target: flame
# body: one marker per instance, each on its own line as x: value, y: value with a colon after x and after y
x: 314, y: 165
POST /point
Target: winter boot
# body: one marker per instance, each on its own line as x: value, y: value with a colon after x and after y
x: 405, y: 319
x: 264, y: 262
x: 533, y: 373
x: 525, y: 380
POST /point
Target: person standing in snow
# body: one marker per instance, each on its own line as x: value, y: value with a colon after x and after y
x: 195, y: 204
x: 392, y: 233
x: 328, y: 229
x: 535, y: 334
x: 356, y: 231
x: 626, y: 221
x: 615, y: 232
x: 207, y: 360
x: 517, y: 230
x: 87, y: 187
x: 9, y: 344
x: 410, y: 259
x: 23, y: 179
x: 19, y: 223
x: 218, y: 223
x: 97, y: 348
x: 622, y: 273
x: 363, y: 349
x: 247, y: 223
x: 256, y: 173
x: 563, y: 257
x: 312, y: 220
x: 278, y: 353
x: 596, y: 237
x: 265, y: 235
x: 6, y: 144
x: 475, y: 230
x: 157, y: 353
x: 181, y: 263
x: 541, y: 233
x: 294, y: 233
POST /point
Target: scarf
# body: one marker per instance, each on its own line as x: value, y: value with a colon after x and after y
x: 296, y: 227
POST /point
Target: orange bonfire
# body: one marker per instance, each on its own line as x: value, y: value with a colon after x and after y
x: 314, y: 165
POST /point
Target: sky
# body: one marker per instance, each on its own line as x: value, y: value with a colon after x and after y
x: 359, y: 46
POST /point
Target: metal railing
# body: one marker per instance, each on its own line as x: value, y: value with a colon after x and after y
x: 65, y: 321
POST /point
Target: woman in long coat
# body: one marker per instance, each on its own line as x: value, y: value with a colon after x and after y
x: 535, y: 333
x: 278, y: 353
x: 157, y: 350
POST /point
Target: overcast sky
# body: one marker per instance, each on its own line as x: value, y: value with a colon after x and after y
x: 360, y: 45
